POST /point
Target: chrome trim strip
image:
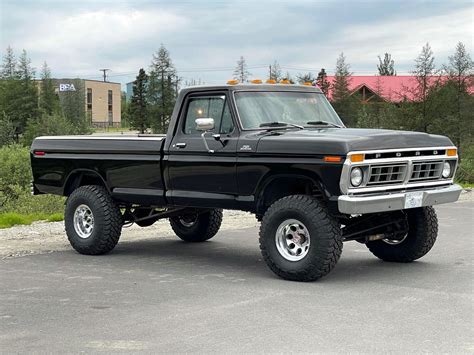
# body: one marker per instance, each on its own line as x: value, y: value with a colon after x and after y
x: 124, y: 137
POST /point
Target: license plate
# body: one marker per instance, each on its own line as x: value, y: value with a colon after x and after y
x: 413, y: 199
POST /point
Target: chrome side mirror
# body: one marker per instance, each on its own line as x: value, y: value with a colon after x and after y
x: 205, y: 125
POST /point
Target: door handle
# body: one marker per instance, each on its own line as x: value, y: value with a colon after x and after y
x: 180, y: 145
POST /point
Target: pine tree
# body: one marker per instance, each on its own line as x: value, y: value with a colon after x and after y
x: 344, y: 103
x: 460, y: 72
x: 138, y: 117
x: 240, y: 72
x: 322, y: 82
x: 275, y: 72
x: 162, y: 89
x: 386, y: 66
x: 9, y: 65
x: 48, y: 98
x: 72, y: 104
x: 342, y: 79
x: 424, y: 70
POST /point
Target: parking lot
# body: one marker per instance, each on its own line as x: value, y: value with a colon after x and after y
x: 158, y: 294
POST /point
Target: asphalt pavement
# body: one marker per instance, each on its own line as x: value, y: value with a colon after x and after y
x: 163, y: 295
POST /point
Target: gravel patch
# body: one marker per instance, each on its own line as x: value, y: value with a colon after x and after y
x: 47, y: 237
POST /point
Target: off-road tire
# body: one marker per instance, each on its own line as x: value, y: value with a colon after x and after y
x: 422, y: 233
x: 107, y: 220
x: 205, y: 227
x: 325, y: 236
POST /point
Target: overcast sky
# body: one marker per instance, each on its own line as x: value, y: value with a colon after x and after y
x: 205, y: 38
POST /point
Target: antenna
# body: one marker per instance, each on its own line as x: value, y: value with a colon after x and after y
x: 105, y: 73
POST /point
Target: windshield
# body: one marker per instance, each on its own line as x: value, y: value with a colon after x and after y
x: 261, y: 108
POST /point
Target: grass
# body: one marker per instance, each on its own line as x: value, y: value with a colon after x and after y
x: 11, y: 219
x: 466, y: 185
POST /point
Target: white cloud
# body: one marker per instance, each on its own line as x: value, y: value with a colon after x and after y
x: 78, y: 40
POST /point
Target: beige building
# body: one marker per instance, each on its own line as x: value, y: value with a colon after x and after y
x: 103, y: 103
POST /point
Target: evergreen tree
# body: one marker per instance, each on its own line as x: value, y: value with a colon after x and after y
x: 48, y: 98
x: 7, y: 130
x: 72, y: 104
x: 138, y: 117
x: 386, y: 66
x: 8, y: 70
x: 322, y: 82
x: 345, y: 104
x: 342, y: 79
x: 19, y: 94
x: 162, y: 89
x: 275, y: 72
x: 306, y: 78
x: 240, y: 72
x: 424, y: 71
x: 460, y: 72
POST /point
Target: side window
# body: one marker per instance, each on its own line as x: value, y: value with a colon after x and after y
x: 215, y: 107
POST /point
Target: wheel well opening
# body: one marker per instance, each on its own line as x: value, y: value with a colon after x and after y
x: 286, y: 186
x: 82, y: 178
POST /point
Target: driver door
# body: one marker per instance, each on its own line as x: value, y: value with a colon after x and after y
x: 197, y: 177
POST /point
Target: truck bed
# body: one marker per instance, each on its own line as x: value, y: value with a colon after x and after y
x: 130, y: 164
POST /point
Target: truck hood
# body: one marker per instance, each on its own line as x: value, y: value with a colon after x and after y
x: 340, y: 141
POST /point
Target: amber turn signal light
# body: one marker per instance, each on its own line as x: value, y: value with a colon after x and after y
x: 356, y: 158
x: 451, y: 152
x: 332, y: 159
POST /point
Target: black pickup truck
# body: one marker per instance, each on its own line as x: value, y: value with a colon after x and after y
x: 278, y: 151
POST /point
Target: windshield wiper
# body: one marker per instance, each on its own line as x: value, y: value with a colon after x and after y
x: 324, y: 123
x: 279, y: 124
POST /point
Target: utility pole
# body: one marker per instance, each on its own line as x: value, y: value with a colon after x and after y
x: 105, y: 73
x: 270, y: 72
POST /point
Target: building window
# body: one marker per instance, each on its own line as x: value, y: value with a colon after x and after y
x: 89, y: 100
x: 109, y: 106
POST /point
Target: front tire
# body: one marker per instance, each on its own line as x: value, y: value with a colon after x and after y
x: 299, y: 240
x: 93, y: 221
x: 421, y: 236
x: 197, y: 227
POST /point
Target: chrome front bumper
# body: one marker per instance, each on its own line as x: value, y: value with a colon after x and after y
x: 361, y: 204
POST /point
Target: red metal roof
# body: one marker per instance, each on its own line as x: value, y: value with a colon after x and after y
x: 391, y: 88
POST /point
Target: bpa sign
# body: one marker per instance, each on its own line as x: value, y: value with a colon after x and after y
x: 67, y: 87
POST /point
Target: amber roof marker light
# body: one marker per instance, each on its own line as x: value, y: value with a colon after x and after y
x: 271, y: 81
x: 256, y: 81
x: 232, y: 82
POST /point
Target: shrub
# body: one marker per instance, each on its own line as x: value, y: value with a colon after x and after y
x: 15, y: 172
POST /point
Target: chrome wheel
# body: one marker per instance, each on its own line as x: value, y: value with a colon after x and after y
x: 188, y: 220
x: 292, y: 240
x: 83, y: 221
x: 392, y: 241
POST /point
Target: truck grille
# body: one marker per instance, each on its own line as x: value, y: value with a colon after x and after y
x: 429, y: 170
x: 387, y: 174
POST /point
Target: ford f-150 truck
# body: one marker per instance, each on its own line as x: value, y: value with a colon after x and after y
x: 278, y: 151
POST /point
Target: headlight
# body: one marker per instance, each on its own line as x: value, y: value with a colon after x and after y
x: 356, y: 177
x: 446, y: 170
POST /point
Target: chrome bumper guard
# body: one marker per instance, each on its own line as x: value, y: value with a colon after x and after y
x: 361, y: 204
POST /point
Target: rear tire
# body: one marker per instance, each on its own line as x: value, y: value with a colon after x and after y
x: 197, y: 228
x: 299, y: 239
x: 93, y: 221
x: 421, y: 236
